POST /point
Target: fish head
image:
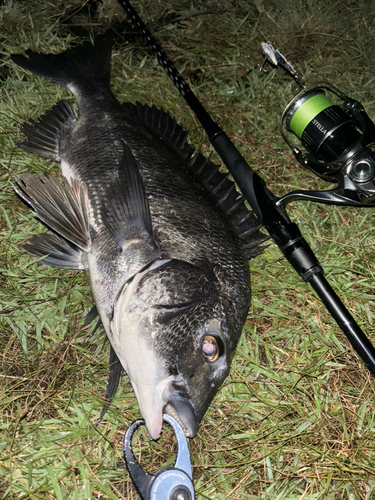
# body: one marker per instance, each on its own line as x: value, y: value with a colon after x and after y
x: 172, y: 335
x: 202, y: 362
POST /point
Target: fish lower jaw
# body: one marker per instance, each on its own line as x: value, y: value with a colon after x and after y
x: 180, y: 406
x: 173, y: 413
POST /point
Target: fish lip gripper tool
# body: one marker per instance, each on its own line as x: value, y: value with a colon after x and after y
x: 169, y: 483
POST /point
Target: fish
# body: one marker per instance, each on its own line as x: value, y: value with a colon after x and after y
x: 161, y: 231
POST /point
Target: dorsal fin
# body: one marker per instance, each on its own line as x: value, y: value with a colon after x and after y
x: 217, y: 183
x: 224, y: 191
x: 161, y: 125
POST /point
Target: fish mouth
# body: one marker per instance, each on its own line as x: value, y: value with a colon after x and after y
x: 181, y: 409
x: 171, y: 396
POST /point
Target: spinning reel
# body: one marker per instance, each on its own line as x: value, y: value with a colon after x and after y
x: 337, y: 136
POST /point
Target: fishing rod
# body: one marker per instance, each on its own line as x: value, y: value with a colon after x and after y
x: 269, y: 210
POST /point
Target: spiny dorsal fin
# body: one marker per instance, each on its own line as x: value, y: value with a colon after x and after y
x: 127, y: 214
x: 44, y: 135
x: 217, y: 183
x: 58, y: 251
x: 224, y: 191
x: 62, y: 207
x: 162, y: 126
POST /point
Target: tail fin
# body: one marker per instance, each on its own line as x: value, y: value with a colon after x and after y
x: 75, y: 67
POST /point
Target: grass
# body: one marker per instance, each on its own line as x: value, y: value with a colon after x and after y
x: 295, y: 419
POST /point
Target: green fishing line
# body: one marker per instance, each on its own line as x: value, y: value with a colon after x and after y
x: 307, y: 111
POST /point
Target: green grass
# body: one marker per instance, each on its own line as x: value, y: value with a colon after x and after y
x: 295, y: 419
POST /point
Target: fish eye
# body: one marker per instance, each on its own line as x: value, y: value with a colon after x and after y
x: 211, y: 348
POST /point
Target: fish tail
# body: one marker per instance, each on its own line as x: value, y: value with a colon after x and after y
x: 76, y: 68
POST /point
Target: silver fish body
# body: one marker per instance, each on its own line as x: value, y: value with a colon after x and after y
x: 167, y: 269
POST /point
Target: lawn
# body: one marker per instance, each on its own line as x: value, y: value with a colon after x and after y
x: 295, y: 419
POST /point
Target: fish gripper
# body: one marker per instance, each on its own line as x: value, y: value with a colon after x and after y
x: 169, y: 483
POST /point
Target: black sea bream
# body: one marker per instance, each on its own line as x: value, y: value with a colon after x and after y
x: 167, y: 268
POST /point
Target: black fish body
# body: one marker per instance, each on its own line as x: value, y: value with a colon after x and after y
x: 167, y: 269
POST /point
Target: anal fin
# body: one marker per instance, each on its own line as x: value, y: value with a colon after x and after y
x: 44, y: 135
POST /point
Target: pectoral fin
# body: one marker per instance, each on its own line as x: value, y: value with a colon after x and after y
x: 127, y: 214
